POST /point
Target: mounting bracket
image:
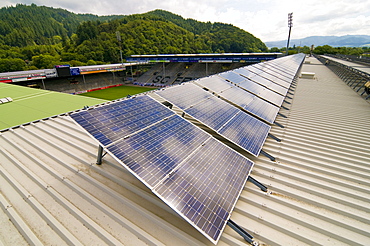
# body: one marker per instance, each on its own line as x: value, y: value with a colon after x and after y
x: 247, y: 237
x: 257, y: 183
x: 100, y: 155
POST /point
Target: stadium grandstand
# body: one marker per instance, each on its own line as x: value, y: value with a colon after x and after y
x: 269, y: 153
x: 145, y: 70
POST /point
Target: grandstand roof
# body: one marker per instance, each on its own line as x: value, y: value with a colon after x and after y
x: 33, y: 104
x: 318, y: 189
x: 218, y: 57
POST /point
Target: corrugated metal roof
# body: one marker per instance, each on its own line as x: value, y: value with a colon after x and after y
x: 52, y: 193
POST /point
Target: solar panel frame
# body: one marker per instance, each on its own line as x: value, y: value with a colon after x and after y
x: 238, y: 96
x: 186, y: 95
x: 214, y: 83
x: 212, y: 112
x: 247, y: 139
x: 269, y: 84
x: 232, y: 76
x: 263, y: 92
x: 151, y: 161
x: 269, y: 68
x: 215, y: 113
x: 276, y: 80
x: 263, y: 110
x: 133, y: 120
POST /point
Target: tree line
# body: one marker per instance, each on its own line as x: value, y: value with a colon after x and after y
x: 37, y: 37
x: 325, y: 49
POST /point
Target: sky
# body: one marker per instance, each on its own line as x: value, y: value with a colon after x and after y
x: 265, y: 19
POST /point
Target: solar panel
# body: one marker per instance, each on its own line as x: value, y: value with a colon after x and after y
x: 214, y: 83
x: 185, y: 95
x: 206, y: 187
x: 263, y: 110
x: 268, y: 76
x: 276, y: 79
x: 213, y: 112
x: 252, y: 137
x: 269, y: 68
x: 262, y: 92
x: 269, y: 84
x: 216, y: 114
x: 220, y: 85
x: 155, y: 151
x: 246, y: 73
x: 195, y: 174
x: 233, y: 77
x: 116, y: 120
x: 238, y: 96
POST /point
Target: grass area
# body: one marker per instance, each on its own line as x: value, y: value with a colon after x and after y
x: 117, y: 92
x: 33, y: 104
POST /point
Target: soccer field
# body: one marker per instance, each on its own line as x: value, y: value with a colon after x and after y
x: 33, y: 104
x: 117, y: 92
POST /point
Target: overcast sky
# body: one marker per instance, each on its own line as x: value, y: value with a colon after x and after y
x: 265, y: 19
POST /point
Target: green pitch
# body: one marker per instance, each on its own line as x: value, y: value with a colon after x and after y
x: 117, y: 92
x: 34, y: 104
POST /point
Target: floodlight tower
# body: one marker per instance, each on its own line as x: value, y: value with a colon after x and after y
x: 290, y: 24
x: 118, y: 35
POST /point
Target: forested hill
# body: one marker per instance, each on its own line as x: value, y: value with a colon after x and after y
x: 42, y: 37
x: 24, y: 25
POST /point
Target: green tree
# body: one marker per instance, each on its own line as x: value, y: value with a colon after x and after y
x: 11, y: 64
x: 325, y: 49
x: 45, y: 61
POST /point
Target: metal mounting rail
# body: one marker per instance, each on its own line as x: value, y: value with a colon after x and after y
x: 247, y: 237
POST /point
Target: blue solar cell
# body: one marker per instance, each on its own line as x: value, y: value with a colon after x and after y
x: 184, y: 95
x: 268, y: 76
x: 284, y: 74
x: 251, y: 86
x: 269, y: 84
x: 116, y: 120
x: 262, y: 92
x: 276, y: 80
x: 213, y: 112
x: 254, y: 70
x: 272, y: 97
x: 206, y: 194
x: 251, y: 103
x: 269, y: 68
x: 252, y: 137
x: 243, y: 71
x: 232, y: 76
x: 238, y: 96
x: 155, y: 151
x: 263, y: 110
x: 214, y: 83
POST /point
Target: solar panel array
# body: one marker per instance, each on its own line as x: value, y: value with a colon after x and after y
x: 196, y: 175
x: 220, y: 115
x: 250, y: 102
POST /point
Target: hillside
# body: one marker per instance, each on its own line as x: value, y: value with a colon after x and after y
x: 334, y: 41
x: 24, y: 25
x: 34, y: 37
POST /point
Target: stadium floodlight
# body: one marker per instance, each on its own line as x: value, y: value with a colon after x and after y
x: 290, y: 24
x: 119, y: 39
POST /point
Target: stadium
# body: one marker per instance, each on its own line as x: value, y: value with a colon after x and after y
x: 226, y: 150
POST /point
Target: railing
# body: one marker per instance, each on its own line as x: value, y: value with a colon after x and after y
x: 354, y: 78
